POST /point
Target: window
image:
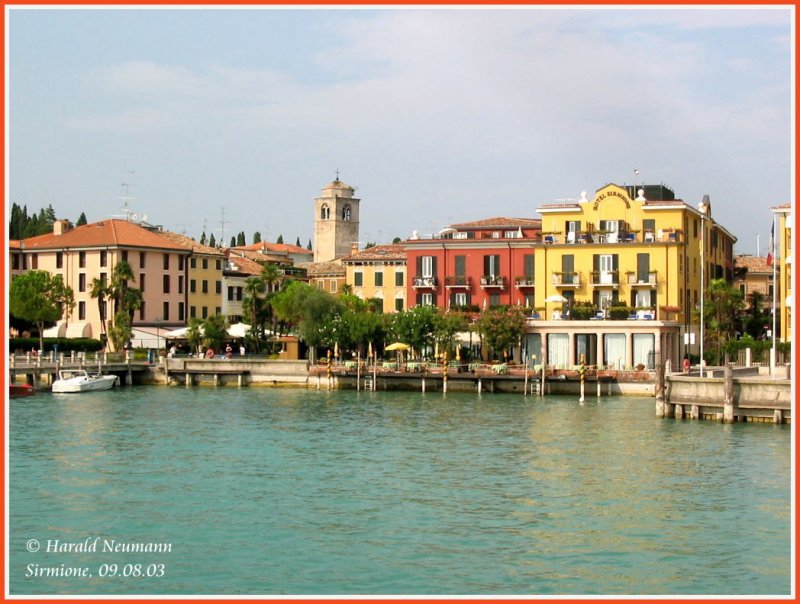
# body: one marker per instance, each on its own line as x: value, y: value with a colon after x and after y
x: 82, y: 282
x: 181, y: 260
x: 81, y: 259
x: 219, y: 265
x: 205, y: 312
x: 141, y: 282
x: 358, y: 279
x: 333, y: 286
x: 193, y: 312
x: 461, y: 267
x: 494, y: 299
x: 141, y: 312
x: 427, y: 266
x: 217, y: 310
x: 239, y: 293
x: 142, y: 260
x: 103, y: 277
x: 528, y: 266
x: 325, y: 212
x: 181, y: 311
x: 180, y: 284
x: 34, y: 261
x: 59, y: 260
x: 205, y: 286
x: 166, y: 311
x: 102, y: 309
x: 205, y: 263
x: 379, y: 279
x: 15, y: 262
x: 398, y: 278
x: 230, y: 293
x: 512, y: 234
x: 461, y: 235
x: 192, y: 286
x: 426, y: 299
x: 346, y: 212
x: 166, y: 284
x: 124, y: 255
x: 166, y: 262
x: 529, y: 300
x: 398, y: 304
x: 193, y: 264
x: 743, y: 289
x: 103, y: 258
x: 82, y: 311
x: 218, y: 287
x: 491, y: 265
x: 460, y: 299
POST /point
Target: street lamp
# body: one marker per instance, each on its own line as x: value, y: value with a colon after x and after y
x: 703, y: 207
x: 158, y: 323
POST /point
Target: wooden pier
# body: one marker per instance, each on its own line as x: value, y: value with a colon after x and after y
x: 42, y: 371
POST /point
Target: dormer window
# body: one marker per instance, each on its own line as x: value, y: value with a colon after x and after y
x: 346, y: 212
x: 325, y: 214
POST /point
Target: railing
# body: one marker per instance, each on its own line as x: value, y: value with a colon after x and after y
x: 605, y: 277
x: 458, y: 281
x: 493, y: 281
x: 424, y: 282
x: 524, y: 282
x: 566, y: 279
x: 634, y: 279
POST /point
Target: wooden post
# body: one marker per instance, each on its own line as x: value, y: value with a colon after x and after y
x: 188, y: 379
x: 358, y: 371
x: 660, y: 409
x: 479, y: 384
x: 777, y: 416
x: 582, y: 375
x: 525, y: 387
x: 729, y: 409
x: 445, y: 363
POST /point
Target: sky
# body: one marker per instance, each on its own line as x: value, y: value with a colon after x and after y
x: 235, y: 119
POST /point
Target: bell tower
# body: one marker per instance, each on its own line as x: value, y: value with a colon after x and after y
x: 335, y: 221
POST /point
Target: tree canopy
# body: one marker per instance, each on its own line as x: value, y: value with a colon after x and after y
x: 41, y: 298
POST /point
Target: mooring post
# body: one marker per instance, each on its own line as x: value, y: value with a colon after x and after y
x: 582, y: 375
x: 660, y: 408
x: 729, y: 409
x: 479, y: 384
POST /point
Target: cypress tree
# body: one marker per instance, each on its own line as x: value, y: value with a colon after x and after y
x: 211, y: 241
x: 280, y: 239
x: 203, y: 238
x: 81, y: 219
x: 256, y: 237
x: 240, y: 240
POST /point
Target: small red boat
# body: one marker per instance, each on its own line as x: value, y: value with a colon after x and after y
x: 20, y: 390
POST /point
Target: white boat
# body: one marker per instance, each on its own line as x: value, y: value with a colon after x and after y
x: 78, y: 380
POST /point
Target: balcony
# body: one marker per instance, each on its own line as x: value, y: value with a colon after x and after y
x: 424, y: 283
x: 605, y: 278
x: 458, y: 282
x: 523, y: 282
x: 569, y: 279
x: 493, y: 282
x: 635, y: 280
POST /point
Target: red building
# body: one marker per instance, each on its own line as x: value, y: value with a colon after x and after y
x: 483, y: 263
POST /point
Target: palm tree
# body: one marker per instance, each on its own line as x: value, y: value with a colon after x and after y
x: 254, y: 300
x: 100, y: 290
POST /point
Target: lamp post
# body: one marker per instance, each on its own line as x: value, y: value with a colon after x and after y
x: 703, y: 207
x: 158, y: 321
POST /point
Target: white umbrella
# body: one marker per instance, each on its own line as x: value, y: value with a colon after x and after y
x: 238, y: 330
x: 177, y: 333
x: 555, y: 298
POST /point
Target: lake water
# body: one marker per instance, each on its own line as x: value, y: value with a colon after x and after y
x: 292, y: 491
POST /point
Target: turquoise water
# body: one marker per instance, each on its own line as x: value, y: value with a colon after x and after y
x: 288, y: 491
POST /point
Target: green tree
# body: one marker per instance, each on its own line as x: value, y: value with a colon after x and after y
x: 280, y: 239
x: 211, y: 241
x: 41, y: 298
x: 308, y: 247
x: 297, y: 243
x: 100, y: 291
x: 308, y: 310
x: 233, y: 241
x: 257, y: 237
x: 240, y: 239
x: 125, y: 299
x: 754, y: 317
x: 194, y: 334
x: 203, y: 238
x: 415, y: 327
x: 396, y: 240
x: 445, y: 326
x: 500, y: 328
x: 215, y: 331
x: 722, y: 305
x: 81, y: 220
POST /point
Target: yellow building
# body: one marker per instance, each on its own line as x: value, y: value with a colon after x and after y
x: 638, y: 249
x: 783, y: 256
x: 205, y: 293
x: 379, y: 272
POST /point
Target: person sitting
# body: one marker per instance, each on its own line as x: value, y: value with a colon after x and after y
x: 210, y: 353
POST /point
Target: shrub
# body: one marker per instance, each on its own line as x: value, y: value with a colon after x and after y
x: 619, y: 313
x: 582, y: 310
x: 64, y: 344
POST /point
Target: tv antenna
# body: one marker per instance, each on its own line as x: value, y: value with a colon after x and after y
x: 222, y: 224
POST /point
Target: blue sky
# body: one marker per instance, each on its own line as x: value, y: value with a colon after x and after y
x: 437, y: 116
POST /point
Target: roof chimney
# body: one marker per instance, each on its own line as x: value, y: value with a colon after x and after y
x: 354, y: 247
x: 60, y: 227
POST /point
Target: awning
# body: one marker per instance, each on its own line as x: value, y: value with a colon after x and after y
x: 59, y: 330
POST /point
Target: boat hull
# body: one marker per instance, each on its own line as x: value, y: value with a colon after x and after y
x: 84, y: 384
x: 20, y: 390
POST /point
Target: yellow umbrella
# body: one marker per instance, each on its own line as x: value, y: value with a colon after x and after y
x: 397, y: 346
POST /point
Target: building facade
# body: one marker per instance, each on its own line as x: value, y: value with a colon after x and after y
x: 783, y: 256
x: 91, y: 251
x: 379, y: 272
x: 481, y: 263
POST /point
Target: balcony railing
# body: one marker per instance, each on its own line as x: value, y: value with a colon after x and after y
x: 650, y: 279
x: 493, y: 281
x: 605, y: 278
x: 424, y: 282
x: 458, y: 281
x: 567, y: 279
x: 524, y: 282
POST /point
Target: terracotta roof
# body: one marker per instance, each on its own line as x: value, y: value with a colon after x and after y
x: 392, y: 251
x: 783, y: 206
x: 111, y: 232
x: 13, y: 244
x: 499, y: 222
x: 190, y: 243
x: 753, y: 264
x: 322, y: 269
x: 244, y: 265
x: 284, y: 248
x: 258, y: 256
x: 338, y: 184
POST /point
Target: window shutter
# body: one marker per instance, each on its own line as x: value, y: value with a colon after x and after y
x: 596, y: 263
x: 653, y: 301
x: 419, y: 299
x: 642, y: 267
x: 433, y: 266
x: 615, y: 262
x: 486, y: 265
x: 419, y: 269
x: 602, y: 225
x: 528, y: 261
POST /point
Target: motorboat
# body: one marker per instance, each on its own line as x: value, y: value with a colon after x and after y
x: 78, y: 380
x: 20, y: 390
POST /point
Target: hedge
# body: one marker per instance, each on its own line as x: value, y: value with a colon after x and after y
x: 63, y: 344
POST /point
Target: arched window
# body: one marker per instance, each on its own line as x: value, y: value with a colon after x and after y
x: 346, y: 212
x: 326, y: 212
